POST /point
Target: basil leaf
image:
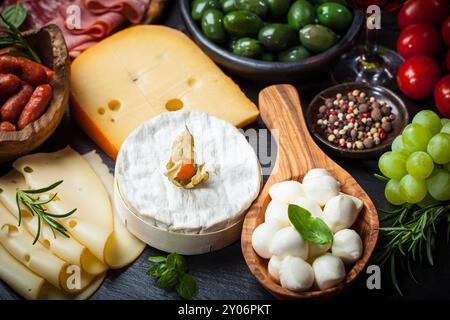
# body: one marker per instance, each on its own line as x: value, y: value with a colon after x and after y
x: 177, y: 262
x: 15, y: 15
x: 157, y: 259
x: 311, y: 229
x: 153, y: 270
x: 168, y: 279
x: 187, y: 287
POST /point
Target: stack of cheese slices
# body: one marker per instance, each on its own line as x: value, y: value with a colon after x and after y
x: 98, y: 241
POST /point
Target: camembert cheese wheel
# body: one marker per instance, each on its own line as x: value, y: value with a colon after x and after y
x: 216, y: 204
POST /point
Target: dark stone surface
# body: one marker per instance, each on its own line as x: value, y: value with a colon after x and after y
x: 224, y: 274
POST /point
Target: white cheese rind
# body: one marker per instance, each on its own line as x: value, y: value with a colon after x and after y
x: 233, y: 184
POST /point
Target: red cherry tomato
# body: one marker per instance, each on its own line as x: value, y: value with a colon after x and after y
x: 423, y: 11
x: 447, y: 61
x: 446, y: 31
x: 419, y: 39
x: 417, y: 77
x: 442, y: 96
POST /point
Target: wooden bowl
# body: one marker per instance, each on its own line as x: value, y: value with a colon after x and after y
x: 297, y: 154
x: 271, y: 72
x: 51, y: 48
x: 399, y: 109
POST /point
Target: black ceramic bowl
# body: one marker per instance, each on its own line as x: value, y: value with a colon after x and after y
x: 381, y: 94
x: 272, y: 72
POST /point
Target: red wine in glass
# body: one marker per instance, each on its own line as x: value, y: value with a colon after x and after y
x: 385, y: 5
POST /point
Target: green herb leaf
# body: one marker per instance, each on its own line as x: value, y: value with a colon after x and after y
x: 311, y: 229
x: 157, y: 259
x: 187, y: 287
x: 168, y: 279
x: 177, y: 262
x: 15, y: 15
x: 153, y: 271
x: 170, y: 272
x: 30, y: 200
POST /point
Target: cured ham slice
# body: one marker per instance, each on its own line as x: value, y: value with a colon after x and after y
x: 98, y: 18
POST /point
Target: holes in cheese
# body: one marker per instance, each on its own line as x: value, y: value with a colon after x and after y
x: 20, y: 245
x: 81, y: 189
x: 28, y: 169
x: 18, y: 277
x: 174, y: 104
x: 31, y: 286
x: 10, y: 230
x: 114, y: 105
x: 68, y: 249
x: 101, y: 111
x: 72, y: 223
x: 144, y: 67
x: 122, y: 247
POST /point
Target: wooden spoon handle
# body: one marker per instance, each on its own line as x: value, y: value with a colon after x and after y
x: 282, y: 113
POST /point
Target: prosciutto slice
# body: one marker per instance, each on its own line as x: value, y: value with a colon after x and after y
x: 98, y: 18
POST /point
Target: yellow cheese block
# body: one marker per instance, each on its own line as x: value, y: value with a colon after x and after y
x: 143, y: 71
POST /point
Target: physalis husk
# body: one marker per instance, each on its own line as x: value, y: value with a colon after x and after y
x: 182, y: 170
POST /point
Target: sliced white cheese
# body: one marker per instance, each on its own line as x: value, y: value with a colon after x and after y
x: 122, y: 247
x: 23, y: 281
x: 234, y: 179
x: 65, y: 248
x: 92, y: 223
x: 19, y: 243
x: 48, y: 292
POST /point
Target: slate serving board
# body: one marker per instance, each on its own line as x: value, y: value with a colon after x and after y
x: 224, y: 274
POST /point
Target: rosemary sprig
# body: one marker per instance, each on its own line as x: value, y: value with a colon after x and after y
x: 411, y: 236
x: 35, y: 205
x: 11, y: 19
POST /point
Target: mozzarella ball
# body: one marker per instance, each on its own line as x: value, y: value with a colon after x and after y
x: 308, y: 204
x: 314, y: 173
x: 316, y: 250
x: 321, y: 188
x: 328, y: 271
x: 288, y: 242
x: 274, y: 267
x: 358, y: 202
x: 277, y: 210
x: 339, y: 213
x: 296, y: 274
x: 347, y: 245
x: 262, y: 237
x: 286, y: 191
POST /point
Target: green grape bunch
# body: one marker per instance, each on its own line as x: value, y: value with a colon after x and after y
x: 418, y: 164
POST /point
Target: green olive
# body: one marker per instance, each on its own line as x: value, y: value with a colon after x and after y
x: 278, y: 8
x: 247, y: 47
x: 212, y: 26
x: 242, y: 23
x: 300, y: 14
x: 334, y: 15
x: 297, y: 53
x: 317, y: 38
x: 228, y: 6
x: 277, y: 37
x: 259, y: 7
x: 200, y: 6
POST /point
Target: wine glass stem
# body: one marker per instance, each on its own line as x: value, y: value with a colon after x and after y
x: 370, y: 60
